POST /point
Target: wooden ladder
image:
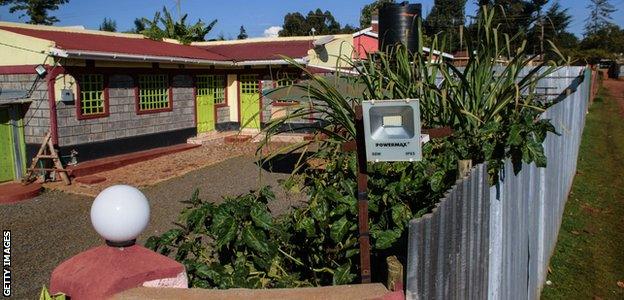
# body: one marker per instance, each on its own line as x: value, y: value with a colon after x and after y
x: 47, y: 151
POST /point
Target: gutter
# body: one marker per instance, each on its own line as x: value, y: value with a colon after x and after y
x: 436, y: 52
x: 97, y: 55
x: 302, y: 61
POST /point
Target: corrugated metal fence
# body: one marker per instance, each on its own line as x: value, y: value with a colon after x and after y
x: 495, y: 242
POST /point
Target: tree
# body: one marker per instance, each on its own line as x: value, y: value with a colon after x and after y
x: 609, y: 39
x: 599, y: 16
x: 294, y: 25
x: 178, y: 30
x: 446, y: 17
x: 37, y: 10
x: 550, y: 26
x: 315, y: 23
x: 139, y: 26
x: 108, y: 25
x: 517, y: 17
x: 368, y: 10
x: 242, y: 33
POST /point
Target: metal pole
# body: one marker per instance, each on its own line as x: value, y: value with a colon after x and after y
x: 362, y: 195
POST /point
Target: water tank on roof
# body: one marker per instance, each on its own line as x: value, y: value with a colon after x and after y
x: 398, y: 23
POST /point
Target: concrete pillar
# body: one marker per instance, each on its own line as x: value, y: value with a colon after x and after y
x: 119, y: 214
x: 104, y: 271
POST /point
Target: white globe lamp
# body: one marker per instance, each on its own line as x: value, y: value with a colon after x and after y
x: 119, y: 214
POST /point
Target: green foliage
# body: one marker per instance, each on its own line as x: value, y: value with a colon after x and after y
x: 484, y: 102
x: 366, y: 14
x: 108, y: 25
x: 36, y: 10
x: 173, y: 29
x: 233, y: 244
x: 492, y: 108
x: 446, y: 16
x: 45, y: 295
x: 315, y: 23
x: 242, y: 33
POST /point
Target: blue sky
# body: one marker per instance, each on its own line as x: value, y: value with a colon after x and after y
x: 256, y: 16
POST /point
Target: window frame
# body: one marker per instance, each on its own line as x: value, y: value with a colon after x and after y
x: 283, y: 76
x: 137, y: 94
x: 78, y: 97
x: 225, y: 88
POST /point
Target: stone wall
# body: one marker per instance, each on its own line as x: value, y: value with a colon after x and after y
x: 123, y: 120
x: 223, y: 114
x: 36, y: 114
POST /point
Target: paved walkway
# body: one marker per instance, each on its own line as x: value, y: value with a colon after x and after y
x: 51, y: 228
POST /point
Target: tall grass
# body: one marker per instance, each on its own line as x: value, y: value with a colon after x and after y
x: 490, y: 103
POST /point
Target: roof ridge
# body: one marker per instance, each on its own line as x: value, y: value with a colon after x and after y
x: 70, y: 30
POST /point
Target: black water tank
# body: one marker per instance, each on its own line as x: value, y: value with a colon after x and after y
x: 398, y: 23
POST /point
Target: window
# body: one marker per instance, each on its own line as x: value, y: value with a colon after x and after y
x: 249, y: 84
x: 285, y: 79
x: 92, y: 102
x: 153, y: 94
x: 212, y: 85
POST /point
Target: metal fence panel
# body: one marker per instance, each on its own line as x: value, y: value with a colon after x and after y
x: 496, y: 242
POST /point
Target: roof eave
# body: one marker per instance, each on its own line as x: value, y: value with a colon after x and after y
x: 302, y: 60
x: 133, y: 57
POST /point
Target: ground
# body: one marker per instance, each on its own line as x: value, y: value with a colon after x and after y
x: 151, y: 172
x: 55, y: 226
x: 588, y: 262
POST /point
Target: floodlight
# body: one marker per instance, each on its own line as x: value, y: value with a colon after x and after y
x: 392, y: 130
x: 41, y: 70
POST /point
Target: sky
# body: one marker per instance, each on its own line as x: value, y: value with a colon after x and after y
x: 259, y: 18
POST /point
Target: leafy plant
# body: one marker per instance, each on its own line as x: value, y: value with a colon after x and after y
x: 173, y: 29
x: 233, y: 244
x: 45, y: 295
x: 495, y: 115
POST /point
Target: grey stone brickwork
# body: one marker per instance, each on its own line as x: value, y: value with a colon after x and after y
x: 223, y: 114
x: 123, y: 120
x: 35, y: 114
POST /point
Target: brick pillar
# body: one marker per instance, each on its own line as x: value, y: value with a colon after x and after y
x: 104, y: 271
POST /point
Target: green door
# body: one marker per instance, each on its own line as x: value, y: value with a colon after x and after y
x: 205, y: 103
x: 7, y: 157
x: 249, y: 101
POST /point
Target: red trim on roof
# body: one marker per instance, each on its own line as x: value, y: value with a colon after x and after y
x: 262, y: 50
x: 18, y: 69
x: 117, y: 44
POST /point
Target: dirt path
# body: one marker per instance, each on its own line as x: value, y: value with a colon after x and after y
x: 616, y: 89
x: 55, y: 226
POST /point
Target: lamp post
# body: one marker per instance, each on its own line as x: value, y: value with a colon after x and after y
x: 119, y: 214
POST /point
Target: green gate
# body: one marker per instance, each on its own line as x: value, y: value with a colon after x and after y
x: 7, y: 153
x: 249, y: 101
x: 205, y: 103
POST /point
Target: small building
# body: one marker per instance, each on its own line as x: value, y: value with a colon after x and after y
x: 106, y: 93
x: 366, y: 41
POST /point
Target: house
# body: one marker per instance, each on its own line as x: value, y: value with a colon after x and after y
x: 103, y: 93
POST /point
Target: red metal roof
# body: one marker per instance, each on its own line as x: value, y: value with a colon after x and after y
x: 116, y: 44
x: 269, y: 50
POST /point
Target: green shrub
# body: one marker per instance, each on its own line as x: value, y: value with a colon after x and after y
x: 494, y: 113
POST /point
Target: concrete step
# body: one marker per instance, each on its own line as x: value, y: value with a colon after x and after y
x: 206, y: 137
x: 113, y: 162
x: 15, y: 191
